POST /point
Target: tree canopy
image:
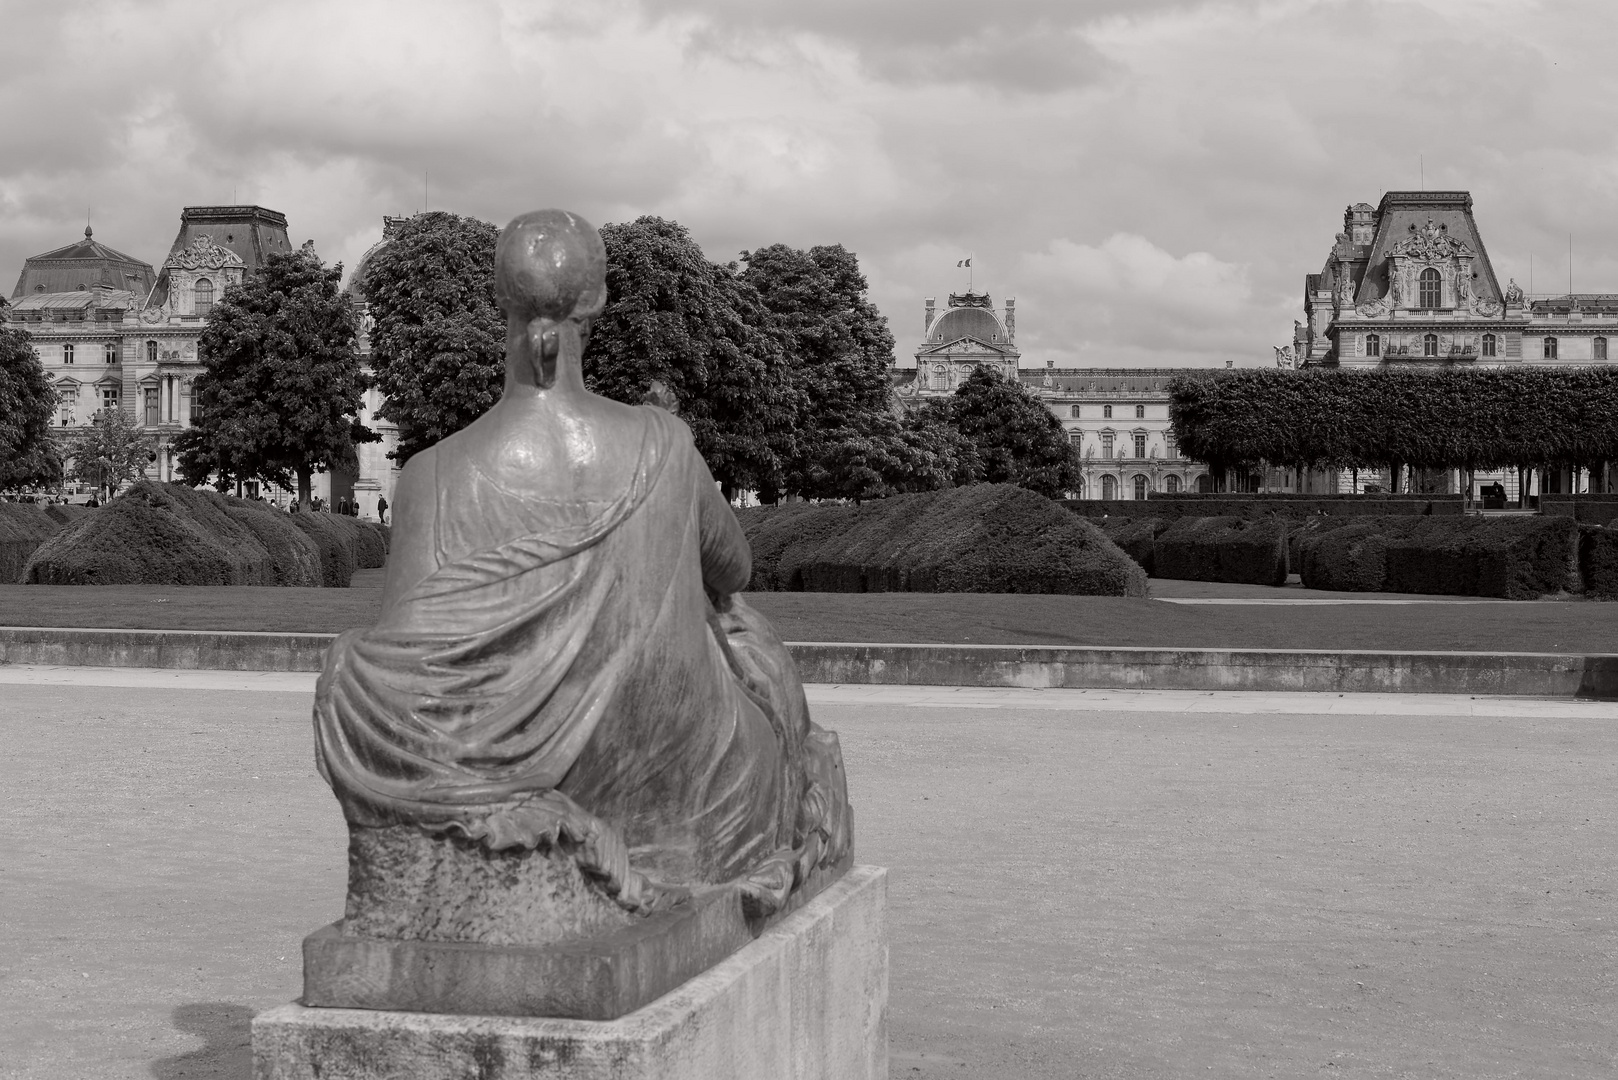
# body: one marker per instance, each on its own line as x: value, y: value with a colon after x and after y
x: 29, y: 456
x: 438, y: 342
x: 840, y: 351
x: 1458, y: 418
x: 281, y: 388
x: 702, y: 331
x: 111, y: 450
x: 1015, y: 438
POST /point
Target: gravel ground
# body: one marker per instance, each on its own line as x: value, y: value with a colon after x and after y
x: 1075, y: 893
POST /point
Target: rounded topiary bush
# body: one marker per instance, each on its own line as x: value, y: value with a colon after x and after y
x: 23, y: 527
x: 980, y: 538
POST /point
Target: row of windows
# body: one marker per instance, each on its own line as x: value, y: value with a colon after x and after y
x: 1076, y: 438
x: 1140, y: 484
x: 1490, y: 346
x: 1106, y: 412
x: 109, y: 353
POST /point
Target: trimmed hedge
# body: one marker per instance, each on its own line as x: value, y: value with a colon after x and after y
x: 980, y: 538
x: 167, y: 534
x: 1136, y: 537
x: 1268, y: 505
x: 1513, y: 558
x: 1598, y: 561
x: 1224, y: 549
x: 25, y: 526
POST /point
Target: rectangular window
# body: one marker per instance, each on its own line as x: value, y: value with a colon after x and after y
x: 110, y: 353
x: 1140, y: 412
x: 1076, y: 438
x: 151, y: 406
x: 1170, y: 446
x: 1489, y: 345
x: 1106, y: 445
x: 1106, y: 412
x: 109, y: 397
x: 1075, y: 412
x: 1140, y: 446
x: 67, y: 354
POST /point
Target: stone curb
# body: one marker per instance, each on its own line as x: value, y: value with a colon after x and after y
x: 1321, y: 670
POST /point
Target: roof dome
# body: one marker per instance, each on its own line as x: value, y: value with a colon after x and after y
x: 972, y: 322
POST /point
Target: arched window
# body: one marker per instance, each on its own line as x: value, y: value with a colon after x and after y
x: 1106, y: 412
x: 1548, y: 349
x: 1373, y: 344
x: 1140, y: 412
x: 151, y: 352
x: 1490, y: 346
x: 1075, y: 412
x: 1109, y: 488
x: 202, y: 296
x: 1430, y: 289
x: 1140, y: 486
x: 1172, y: 485
x: 1598, y: 348
x: 1429, y: 344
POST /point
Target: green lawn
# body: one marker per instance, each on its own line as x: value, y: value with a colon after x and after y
x: 1571, y: 626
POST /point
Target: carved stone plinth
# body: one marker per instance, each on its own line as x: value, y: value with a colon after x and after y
x: 806, y: 1000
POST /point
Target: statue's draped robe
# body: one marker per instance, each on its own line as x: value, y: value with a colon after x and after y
x: 573, y: 645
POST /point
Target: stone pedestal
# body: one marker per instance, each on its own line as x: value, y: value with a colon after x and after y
x: 807, y: 1000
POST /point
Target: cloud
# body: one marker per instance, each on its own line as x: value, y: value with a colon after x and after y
x: 1151, y: 179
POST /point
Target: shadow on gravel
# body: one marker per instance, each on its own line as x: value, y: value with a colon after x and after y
x: 227, y: 1053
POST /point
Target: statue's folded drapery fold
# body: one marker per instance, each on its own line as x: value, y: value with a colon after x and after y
x: 588, y: 646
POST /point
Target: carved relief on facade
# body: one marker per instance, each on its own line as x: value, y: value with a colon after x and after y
x: 1431, y: 244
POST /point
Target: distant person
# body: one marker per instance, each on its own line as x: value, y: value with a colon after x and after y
x: 382, y: 510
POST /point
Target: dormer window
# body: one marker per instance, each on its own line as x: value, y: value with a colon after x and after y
x: 1430, y: 289
x: 1373, y: 344
x: 202, y: 296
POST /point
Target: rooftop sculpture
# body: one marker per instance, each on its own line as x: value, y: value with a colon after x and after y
x: 567, y: 746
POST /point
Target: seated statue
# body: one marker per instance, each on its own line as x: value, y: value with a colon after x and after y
x: 565, y: 720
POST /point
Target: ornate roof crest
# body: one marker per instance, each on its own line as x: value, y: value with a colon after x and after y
x: 1430, y: 243
x: 969, y: 299
x: 203, y: 254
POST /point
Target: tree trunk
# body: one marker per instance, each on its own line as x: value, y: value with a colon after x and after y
x: 303, y: 489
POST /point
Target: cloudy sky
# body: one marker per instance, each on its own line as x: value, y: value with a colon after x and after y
x: 1151, y: 179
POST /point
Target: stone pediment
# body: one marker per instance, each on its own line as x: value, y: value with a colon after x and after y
x: 963, y: 346
x: 1432, y: 243
x: 203, y: 254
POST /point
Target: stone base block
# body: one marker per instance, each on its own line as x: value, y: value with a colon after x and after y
x: 807, y: 1000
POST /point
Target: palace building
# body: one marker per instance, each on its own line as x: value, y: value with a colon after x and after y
x: 112, y: 332
x: 1409, y: 283
x: 1117, y: 418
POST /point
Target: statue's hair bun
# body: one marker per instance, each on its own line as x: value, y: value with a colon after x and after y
x: 550, y: 264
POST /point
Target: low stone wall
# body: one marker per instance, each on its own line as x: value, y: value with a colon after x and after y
x: 1515, y: 674
x: 1183, y: 504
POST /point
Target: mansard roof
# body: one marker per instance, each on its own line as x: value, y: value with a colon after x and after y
x: 83, y: 264
x: 253, y: 233
x: 1406, y: 216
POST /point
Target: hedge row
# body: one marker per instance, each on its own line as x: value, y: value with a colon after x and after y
x: 1514, y: 558
x: 1257, y: 506
x: 1463, y: 418
x: 168, y: 534
x: 1598, y: 561
x: 1224, y: 549
x: 980, y: 538
x: 23, y: 527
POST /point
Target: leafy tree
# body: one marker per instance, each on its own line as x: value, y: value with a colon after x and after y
x: 29, y: 456
x: 110, y: 451
x: 700, y: 330
x: 281, y: 386
x: 438, y: 345
x: 1015, y: 437
x: 890, y: 455
x: 840, y: 350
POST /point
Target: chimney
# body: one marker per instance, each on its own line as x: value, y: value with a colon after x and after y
x: 1011, y: 318
x: 928, y: 325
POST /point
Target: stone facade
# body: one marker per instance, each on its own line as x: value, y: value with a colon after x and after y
x: 1117, y: 418
x: 1409, y: 283
x: 112, y: 332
